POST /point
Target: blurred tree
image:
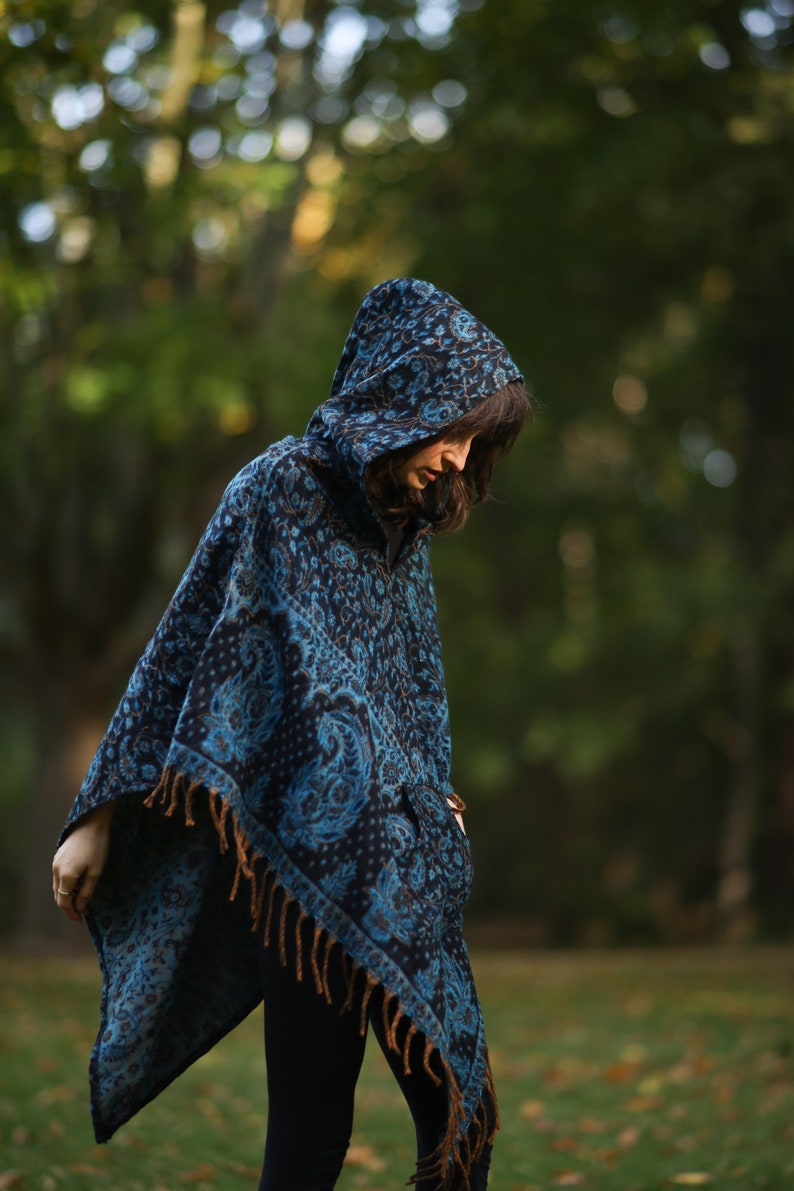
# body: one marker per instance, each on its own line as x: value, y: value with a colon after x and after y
x: 194, y: 199
x: 162, y: 170
x: 617, y: 202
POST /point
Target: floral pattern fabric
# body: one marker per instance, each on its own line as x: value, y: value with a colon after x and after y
x: 294, y: 688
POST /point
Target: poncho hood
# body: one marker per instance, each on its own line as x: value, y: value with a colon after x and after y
x: 289, y: 718
x: 414, y: 362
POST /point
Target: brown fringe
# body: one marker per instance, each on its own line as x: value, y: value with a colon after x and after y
x: 329, y: 946
x: 412, y: 1031
x: 260, y: 901
x: 168, y: 791
x: 368, y: 991
x: 351, y: 985
x: 219, y: 818
x: 299, y: 945
x: 282, y: 930
x: 461, y: 1145
x: 386, y: 1023
x: 270, y: 904
x: 256, y: 885
x: 437, y: 1080
x: 318, y: 984
x: 398, y: 1018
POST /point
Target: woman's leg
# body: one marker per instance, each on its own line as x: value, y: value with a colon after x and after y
x: 313, y: 1056
x: 427, y: 1102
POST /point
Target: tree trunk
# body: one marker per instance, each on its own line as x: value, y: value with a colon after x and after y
x: 65, y: 738
x: 734, y: 919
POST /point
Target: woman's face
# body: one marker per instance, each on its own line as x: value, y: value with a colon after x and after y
x: 428, y: 463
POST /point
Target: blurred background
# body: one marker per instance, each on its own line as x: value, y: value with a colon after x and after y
x: 195, y: 198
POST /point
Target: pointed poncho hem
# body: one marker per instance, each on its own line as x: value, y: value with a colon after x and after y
x: 466, y: 1134
x: 103, y: 1127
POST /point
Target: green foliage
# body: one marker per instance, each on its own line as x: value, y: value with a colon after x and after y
x: 619, y: 182
x: 609, y: 188
x: 164, y: 171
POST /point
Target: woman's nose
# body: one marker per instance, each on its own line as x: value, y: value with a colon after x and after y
x: 456, y: 454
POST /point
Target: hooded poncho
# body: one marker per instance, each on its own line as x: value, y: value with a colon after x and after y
x: 289, y: 718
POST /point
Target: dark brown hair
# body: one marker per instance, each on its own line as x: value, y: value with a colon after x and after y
x: 496, y: 421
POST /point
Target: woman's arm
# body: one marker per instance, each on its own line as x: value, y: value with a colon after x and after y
x: 79, y: 862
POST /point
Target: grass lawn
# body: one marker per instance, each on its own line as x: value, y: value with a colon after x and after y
x: 617, y: 1072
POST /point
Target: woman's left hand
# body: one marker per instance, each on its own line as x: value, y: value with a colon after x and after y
x: 79, y: 862
x: 458, y: 815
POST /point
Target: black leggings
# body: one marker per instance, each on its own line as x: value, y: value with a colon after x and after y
x: 314, y: 1055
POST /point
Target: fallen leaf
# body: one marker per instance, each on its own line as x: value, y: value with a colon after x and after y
x: 591, y: 1125
x: 10, y: 1178
x: 552, y: 1076
x: 643, y: 1103
x: 544, y: 1125
x: 692, y: 1178
x: 365, y: 1157
x: 619, y: 1072
x: 531, y: 1109
x: 567, y: 1178
x: 203, y: 1173
x: 639, y: 1006
x: 564, y: 1144
x: 209, y: 1111
x: 85, y: 1168
x: 55, y: 1095
x: 628, y: 1136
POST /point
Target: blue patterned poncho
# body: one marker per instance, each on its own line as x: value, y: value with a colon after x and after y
x: 287, y: 728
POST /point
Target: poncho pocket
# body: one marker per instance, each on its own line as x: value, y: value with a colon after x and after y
x: 445, y: 852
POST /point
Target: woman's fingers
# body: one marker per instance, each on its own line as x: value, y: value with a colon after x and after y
x: 66, y: 889
x: 457, y: 806
x: 72, y: 895
x: 86, y: 890
x: 79, y: 861
x: 69, y: 871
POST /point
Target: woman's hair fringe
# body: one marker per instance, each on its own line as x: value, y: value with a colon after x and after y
x: 496, y: 422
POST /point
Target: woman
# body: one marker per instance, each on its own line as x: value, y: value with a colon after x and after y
x: 270, y: 811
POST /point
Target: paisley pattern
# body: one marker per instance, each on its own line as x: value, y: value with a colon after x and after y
x: 296, y: 680
x: 414, y: 362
